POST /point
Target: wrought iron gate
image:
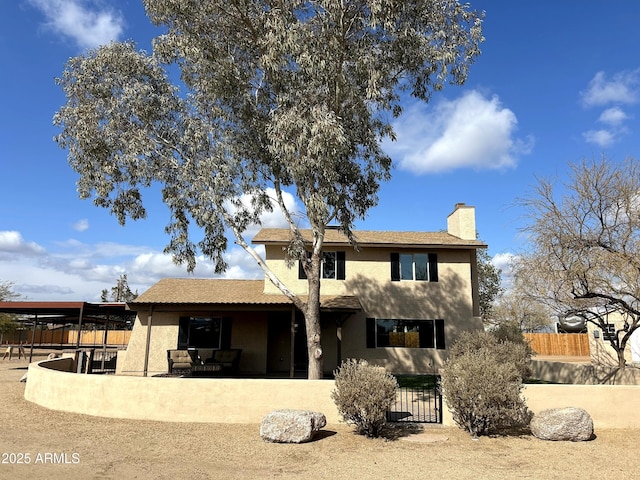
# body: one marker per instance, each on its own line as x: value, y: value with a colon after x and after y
x: 417, y: 404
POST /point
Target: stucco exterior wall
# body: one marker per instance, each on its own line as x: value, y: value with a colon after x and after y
x: 204, y: 400
x: 601, y: 351
x: 248, y: 401
x: 248, y: 332
x: 368, y: 276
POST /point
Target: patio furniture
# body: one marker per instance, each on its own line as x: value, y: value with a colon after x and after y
x: 228, y: 359
x: 207, y: 370
x: 182, y: 361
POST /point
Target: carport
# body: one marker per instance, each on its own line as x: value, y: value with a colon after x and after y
x: 65, y: 313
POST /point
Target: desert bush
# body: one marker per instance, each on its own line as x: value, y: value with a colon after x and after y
x: 363, y: 394
x: 482, y: 383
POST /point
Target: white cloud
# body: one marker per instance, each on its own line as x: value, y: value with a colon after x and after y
x: 602, y: 138
x: 504, y: 261
x: 275, y: 218
x: 622, y: 88
x: 12, y: 244
x: 81, y: 225
x: 613, y: 116
x: 82, y: 20
x: 471, y: 131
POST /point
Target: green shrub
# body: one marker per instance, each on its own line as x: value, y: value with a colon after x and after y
x: 482, y: 383
x: 363, y: 394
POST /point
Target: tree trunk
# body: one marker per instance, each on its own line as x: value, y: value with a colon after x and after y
x: 312, y: 320
x: 622, y: 362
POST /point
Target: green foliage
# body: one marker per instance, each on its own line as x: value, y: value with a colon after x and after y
x: 120, y: 292
x: 489, y: 284
x: 294, y: 97
x: 482, y: 382
x: 363, y: 394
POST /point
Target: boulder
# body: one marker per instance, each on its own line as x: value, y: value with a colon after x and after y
x: 291, y: 426
x: 573, y: 424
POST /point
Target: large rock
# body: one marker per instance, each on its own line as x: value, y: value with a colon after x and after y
x: 291, y: 426
x: 573, y: 424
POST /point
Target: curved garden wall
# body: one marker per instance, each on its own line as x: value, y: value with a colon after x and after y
x: 220, y: 400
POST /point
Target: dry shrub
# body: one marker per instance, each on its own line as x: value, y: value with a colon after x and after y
x: 363, y: 394
x: 482, y: 383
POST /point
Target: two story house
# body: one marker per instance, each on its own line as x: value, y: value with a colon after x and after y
x: 399, y: 301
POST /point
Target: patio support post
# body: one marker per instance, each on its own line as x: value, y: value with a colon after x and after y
x: 79, y: 326
x: 33, y: 337
x: 339, y: 323
x: 146, y: 347
x: 104, y: 341
x: 293, y: 342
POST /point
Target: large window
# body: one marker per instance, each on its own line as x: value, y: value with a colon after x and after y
x: 414, y: 266
x: 203, y: 332
x: 383, y: 332
x: 332, y: 267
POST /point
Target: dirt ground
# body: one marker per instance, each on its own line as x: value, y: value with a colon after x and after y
x: 56, y: 445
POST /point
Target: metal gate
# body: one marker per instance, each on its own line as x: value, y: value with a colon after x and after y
x: 417, y: 404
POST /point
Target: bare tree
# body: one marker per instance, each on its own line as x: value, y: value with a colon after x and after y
x: 8, y: 321
x: 515, y: 307
x: 584, y: 256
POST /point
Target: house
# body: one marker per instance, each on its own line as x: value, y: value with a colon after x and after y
x: 399, y: 300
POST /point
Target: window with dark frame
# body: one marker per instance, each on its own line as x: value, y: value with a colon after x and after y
x: 203, y: 332
x: 332, y: 268
x: 383, y: 332
x: 609, y: 333
x: 414, y: 266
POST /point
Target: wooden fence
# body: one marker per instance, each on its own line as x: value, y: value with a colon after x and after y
x: 67, y: 337
x: 564, y: 344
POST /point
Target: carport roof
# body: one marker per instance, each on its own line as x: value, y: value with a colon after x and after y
x: 69, y: 312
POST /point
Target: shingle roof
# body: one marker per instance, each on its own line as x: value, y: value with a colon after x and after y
x: 228, y: 292
x: 371, y: 238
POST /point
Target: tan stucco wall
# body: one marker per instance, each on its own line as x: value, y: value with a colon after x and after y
x: 207, y: 400
x: 247, y: 401
x: 462, y: 222
x: 601, y: 351
x: 249, y: 332
x: 583, y: 373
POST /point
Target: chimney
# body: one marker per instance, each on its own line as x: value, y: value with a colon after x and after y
x: 461, y: 222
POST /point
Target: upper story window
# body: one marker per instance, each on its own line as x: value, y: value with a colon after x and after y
x: 414, y: 266
x: 332, y: 267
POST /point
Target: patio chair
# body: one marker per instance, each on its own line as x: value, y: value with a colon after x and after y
x: 181, y: 361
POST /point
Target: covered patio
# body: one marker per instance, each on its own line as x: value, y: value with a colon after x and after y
x: 267, y: 328
x: 72, y: 315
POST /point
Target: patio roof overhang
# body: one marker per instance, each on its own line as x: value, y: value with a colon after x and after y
x: 62, y: 313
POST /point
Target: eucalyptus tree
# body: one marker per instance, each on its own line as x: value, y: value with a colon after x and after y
x: 274, y: 96
x: 584, y: 257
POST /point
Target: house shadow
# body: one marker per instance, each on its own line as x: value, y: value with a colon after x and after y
x: 449, y: 299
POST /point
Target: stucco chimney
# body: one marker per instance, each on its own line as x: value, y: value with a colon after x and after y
x: 462, y: 222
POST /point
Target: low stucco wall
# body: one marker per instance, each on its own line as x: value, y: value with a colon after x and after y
x: 209, y: 400
x: 221, y: 400
x: 583, y: 373
x: 610, y: 406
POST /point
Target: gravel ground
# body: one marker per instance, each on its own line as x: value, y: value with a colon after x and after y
x: 56, y: 445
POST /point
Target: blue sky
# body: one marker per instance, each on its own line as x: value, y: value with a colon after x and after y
x: 558, y: 81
